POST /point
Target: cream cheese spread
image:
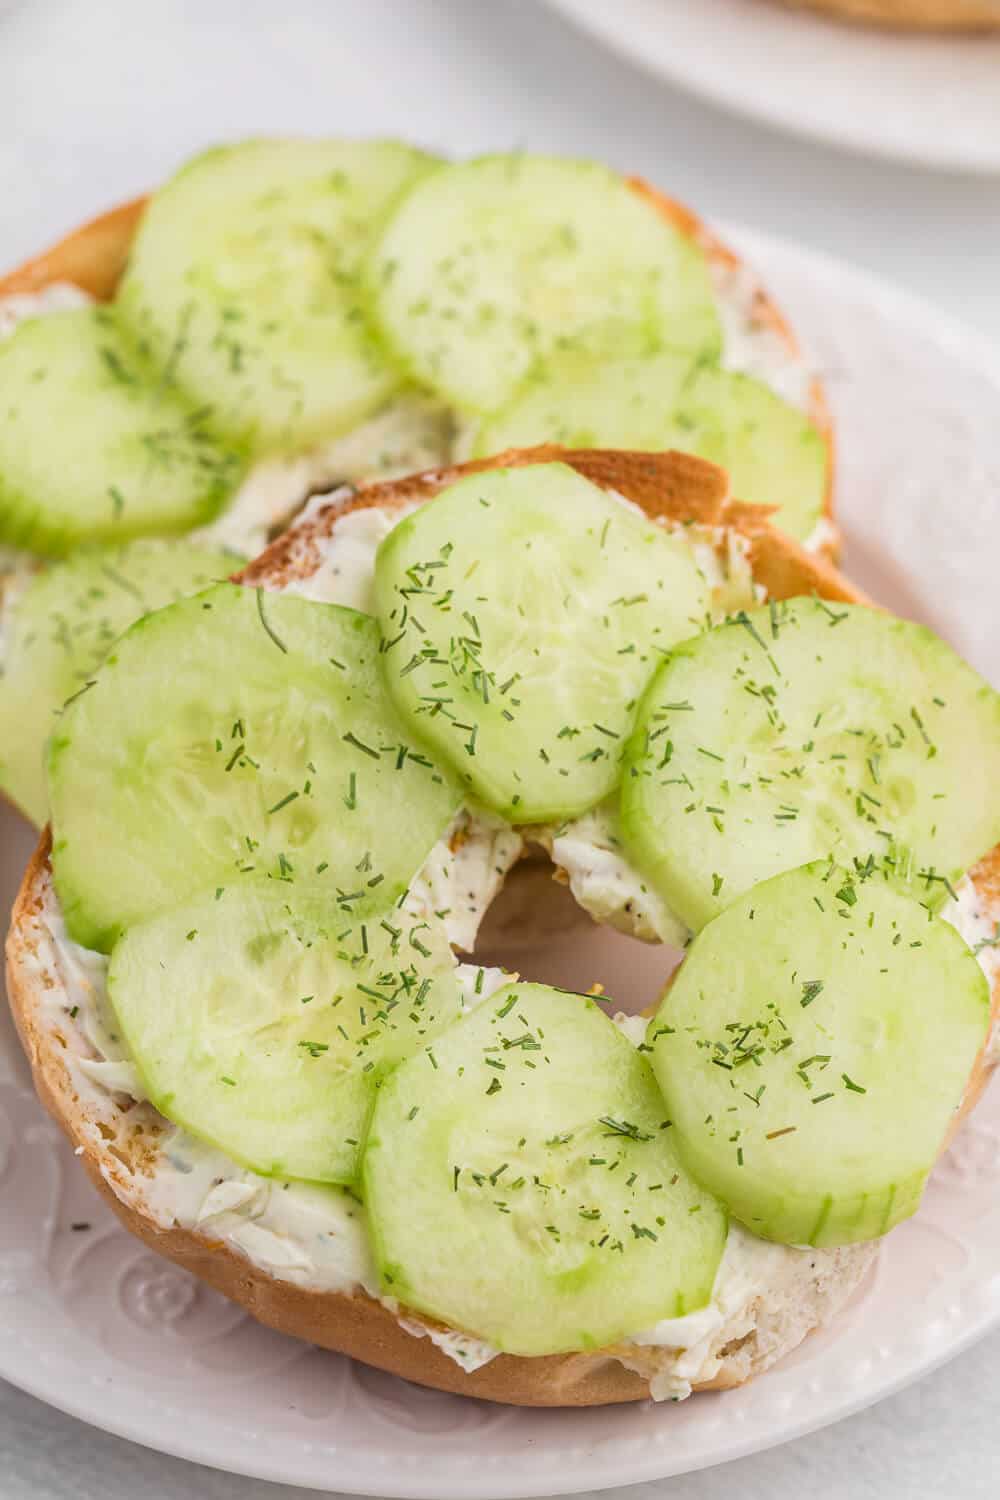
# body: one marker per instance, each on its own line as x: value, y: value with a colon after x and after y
x: 823, y: 536
x: 603, y: 881
x: 464, y: 871
x: 766, y: 1298
x: 58, y: 296
x: 408, y: 435
x: 346, y: 570
x: 752, y: 344
x: 633, y: 1027
x: 976, y: 918
x: 469, y: 1353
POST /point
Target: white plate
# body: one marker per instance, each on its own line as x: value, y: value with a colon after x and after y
x: 95, y: 1324
x: 925, y: 99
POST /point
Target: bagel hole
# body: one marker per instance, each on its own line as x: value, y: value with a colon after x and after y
x: 536, y: 928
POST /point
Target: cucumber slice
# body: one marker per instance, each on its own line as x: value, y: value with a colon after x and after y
x: 516, y: 1205
x: 772, y: 451
x: 860, y: 1019
x: 90, y: 450
x: 489, y: 266
x: 803, y: 730
x: 244, y: 282
x: 523, y: 611
x: 263, y: 1025
x: 233, y: 734
x: 60, y: 624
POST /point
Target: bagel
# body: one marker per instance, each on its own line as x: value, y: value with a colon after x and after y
x: 768, y: 1297
x: 912, y: 15
x: 93, y: 257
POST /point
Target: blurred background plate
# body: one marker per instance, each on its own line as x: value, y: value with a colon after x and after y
x: 92, y: 1322
x: 933, y: 101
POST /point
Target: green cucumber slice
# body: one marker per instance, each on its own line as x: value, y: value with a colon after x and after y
x: 263, y: 1024
x: 237, y: 734
x: 813, y: 1050
x: 523, y: 611
x: 773, y: 452
x: 489, y: 266
x: 244, y: 282
x: 59, y: 624
x: 90, y: 449
x: 517, y: 1203
x: 804, y: 730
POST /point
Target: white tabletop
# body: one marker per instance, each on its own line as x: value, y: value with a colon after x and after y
x: 100, y: 98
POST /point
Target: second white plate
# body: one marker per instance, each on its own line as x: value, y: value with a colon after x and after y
x: 930, y: 100
x: 94, y: 1323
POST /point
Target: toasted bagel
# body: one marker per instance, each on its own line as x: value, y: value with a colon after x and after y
x: 119, y: 1140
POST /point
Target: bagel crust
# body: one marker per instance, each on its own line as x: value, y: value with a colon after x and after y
x: 912, y: 15
x: 93, y: 257
x: 119, y: 1142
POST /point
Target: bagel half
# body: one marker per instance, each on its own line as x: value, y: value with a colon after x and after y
x: 120, y: 1141
x: 912, y: 15
x: 94, y: 257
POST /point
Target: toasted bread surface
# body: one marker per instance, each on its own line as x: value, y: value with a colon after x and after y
x: 92, y: 257
x: 673, y: 486
x: 119, y: 1147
